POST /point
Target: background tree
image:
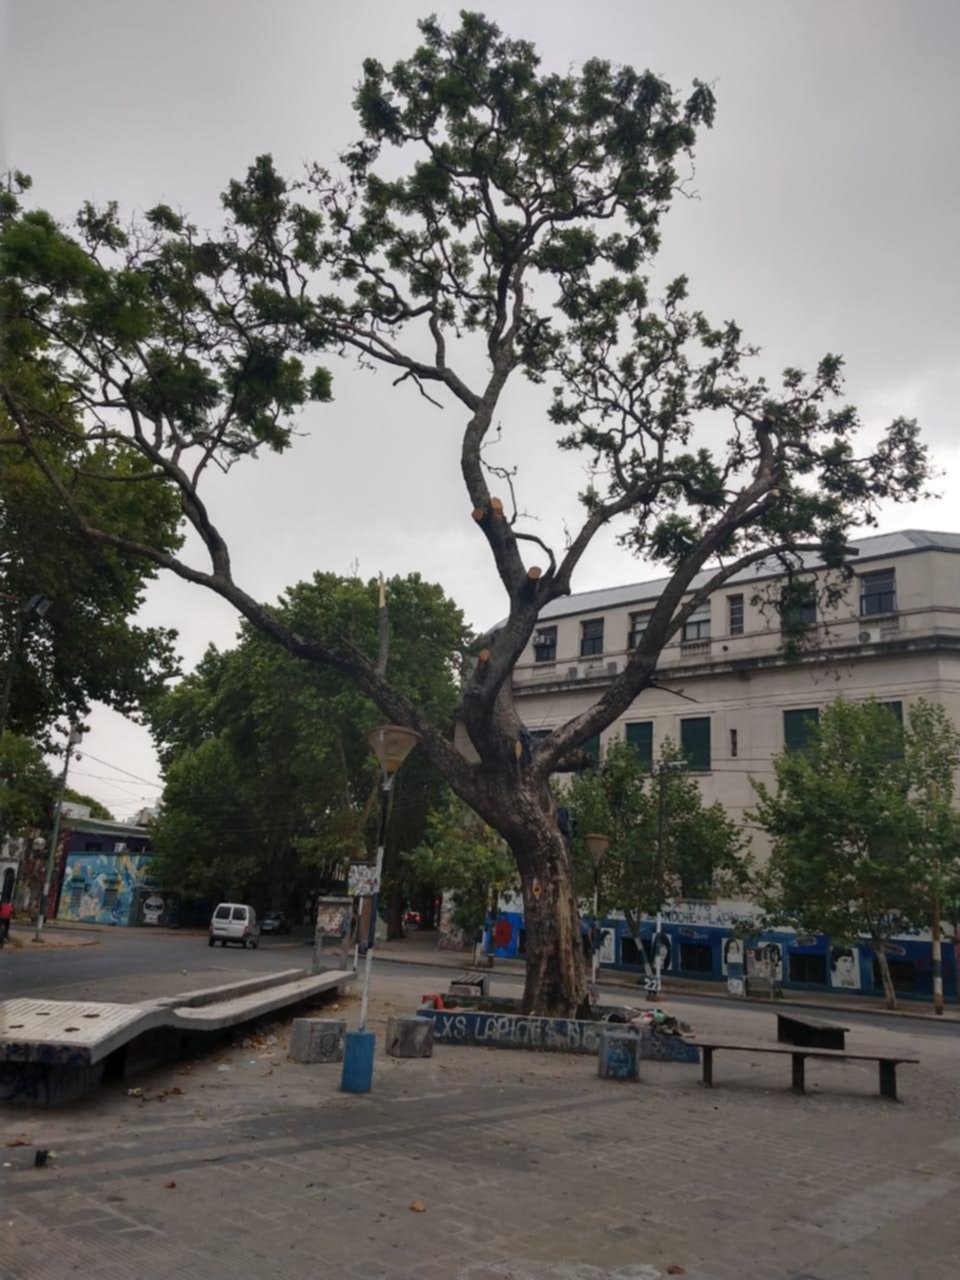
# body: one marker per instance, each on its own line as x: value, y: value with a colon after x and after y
x: 97, y: 810
x: 665, y: 843
x: 269, y: 781
x: 854, y: 827
x: 494, y: 220
x: 466, y: 859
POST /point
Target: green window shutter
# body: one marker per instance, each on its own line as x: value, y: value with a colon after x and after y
x: 592, y: 748
x: 695, y: 743
x: 797, y: 728
x: 896, y: 710
x: 640, y: 737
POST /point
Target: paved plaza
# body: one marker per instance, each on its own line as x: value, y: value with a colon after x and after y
x: 518, y: 1166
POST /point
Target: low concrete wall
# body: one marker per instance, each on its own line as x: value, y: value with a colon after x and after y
x: 549, y: 1035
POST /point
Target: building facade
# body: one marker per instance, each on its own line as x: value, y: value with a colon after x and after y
x: 105, y: 875
x: 732, y: 697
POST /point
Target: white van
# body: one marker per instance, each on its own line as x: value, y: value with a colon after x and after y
x: 234, y: 922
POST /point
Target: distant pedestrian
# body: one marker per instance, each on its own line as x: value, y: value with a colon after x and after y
x: 6, y: 915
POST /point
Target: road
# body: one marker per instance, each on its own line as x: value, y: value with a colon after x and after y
x: 128, y: 965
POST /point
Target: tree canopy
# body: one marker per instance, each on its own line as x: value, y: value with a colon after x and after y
x: 862, y: 825
x: 665, y: 843
x: 267, y: 767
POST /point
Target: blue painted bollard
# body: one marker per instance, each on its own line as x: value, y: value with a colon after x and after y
x: 357, y: 1074
x: 619, y: 1056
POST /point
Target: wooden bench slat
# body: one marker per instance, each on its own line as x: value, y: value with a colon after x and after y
x: 887, y: 1063
x: 807, y: 1052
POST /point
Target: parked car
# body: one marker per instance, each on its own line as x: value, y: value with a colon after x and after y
x: 234, y: 922
x: 411, y: 918
x: 275, y: 922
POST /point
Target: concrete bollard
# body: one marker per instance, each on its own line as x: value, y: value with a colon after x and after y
x: 477, y: 985
x: 410, y: 1037
x: 317, y: 1039
x: 619, y: 1056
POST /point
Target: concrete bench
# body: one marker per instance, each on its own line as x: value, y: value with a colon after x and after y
x: 814, y: 1033
x: 887, y: 1064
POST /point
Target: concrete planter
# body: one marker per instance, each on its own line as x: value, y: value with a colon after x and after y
x: 547, y: 1035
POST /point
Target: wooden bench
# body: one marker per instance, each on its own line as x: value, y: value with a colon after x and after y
x: 813, y: 1033
x: 888, y: 1065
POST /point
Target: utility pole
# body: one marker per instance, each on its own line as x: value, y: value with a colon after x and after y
x: 72, y: 741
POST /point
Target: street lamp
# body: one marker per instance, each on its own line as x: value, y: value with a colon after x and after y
x: 391, y: 743
x: 665, y: 766
x: 597, y: 846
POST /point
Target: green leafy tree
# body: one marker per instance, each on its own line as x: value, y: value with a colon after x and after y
x: 495, y: 220
x: 268, y: 770
x: 27, y: 787
x: 665, y: 843
x: 97, y: 810
x: 862, y: 826
x: 464, y: 857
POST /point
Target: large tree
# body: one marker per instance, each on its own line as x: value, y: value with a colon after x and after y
x: 864, y: 833
x: 495, y: 220
x: 268, y: 775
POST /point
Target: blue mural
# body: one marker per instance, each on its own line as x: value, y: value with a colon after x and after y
x: 104, y: 888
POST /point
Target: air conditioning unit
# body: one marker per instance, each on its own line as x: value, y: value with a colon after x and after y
x: 573, y: 673
x: 869, y: 635
x: 613, y: 668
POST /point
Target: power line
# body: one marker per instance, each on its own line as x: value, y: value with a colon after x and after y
x: 150, y: 782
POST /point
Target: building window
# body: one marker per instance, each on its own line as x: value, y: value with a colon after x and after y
x: 735, y: 615
x: 545, y: 644
x: 591, y: 637
x: 110, y: 893
x: 640, y: 737
x: 878, y: 592
x: 807, y: 967
x: 903, y: 974
x: 734, y: 744
x: 798, y: 607
x: 696, y: 957
x: 76, y: 895
x: 638, y: 625
x: 591, y: 748
x: 799, y: 728
x: 93, y: 846
x: 695, y: 743
x: 697, y: 626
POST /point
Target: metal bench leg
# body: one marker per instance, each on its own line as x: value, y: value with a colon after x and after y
x: 798, y: 1061
x: 888, y: 1080
x: 707, y: 1067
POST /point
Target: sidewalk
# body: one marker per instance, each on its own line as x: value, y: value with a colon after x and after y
x: 421, y: 949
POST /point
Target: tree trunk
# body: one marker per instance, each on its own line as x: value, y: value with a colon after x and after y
x: 395, y: 914
x: 556, y: 982
x: 880, y: 952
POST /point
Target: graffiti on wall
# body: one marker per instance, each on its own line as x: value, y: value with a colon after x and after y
x: 103, y: 888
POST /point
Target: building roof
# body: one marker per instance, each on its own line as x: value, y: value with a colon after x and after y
x: 101, y: 827
x: 880, y: 546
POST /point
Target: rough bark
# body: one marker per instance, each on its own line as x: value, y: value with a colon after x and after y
x: 880, y: 951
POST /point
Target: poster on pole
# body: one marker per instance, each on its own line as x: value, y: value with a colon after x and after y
x: 362, y: 880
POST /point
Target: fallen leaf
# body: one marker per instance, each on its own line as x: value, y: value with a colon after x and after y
x: 169, y: 1186
x: 417, y: 1206
x: 20, y: 1142
x: 675, y: 1270
x: 176, y: 1089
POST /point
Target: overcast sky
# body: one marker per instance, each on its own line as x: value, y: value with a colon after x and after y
x: 828, y: 219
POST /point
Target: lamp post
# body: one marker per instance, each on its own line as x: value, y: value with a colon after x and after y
x: 664, y: 767
x: 72, y: 741
x: 391, y: 743
x: 597, y: 846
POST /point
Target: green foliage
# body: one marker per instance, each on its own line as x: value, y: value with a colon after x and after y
x: 862, y: 823
x: 97, y: 810
x: 464, y: 857
x: 701, y: 852
x: 268, y: 770
x: 27, y: 787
